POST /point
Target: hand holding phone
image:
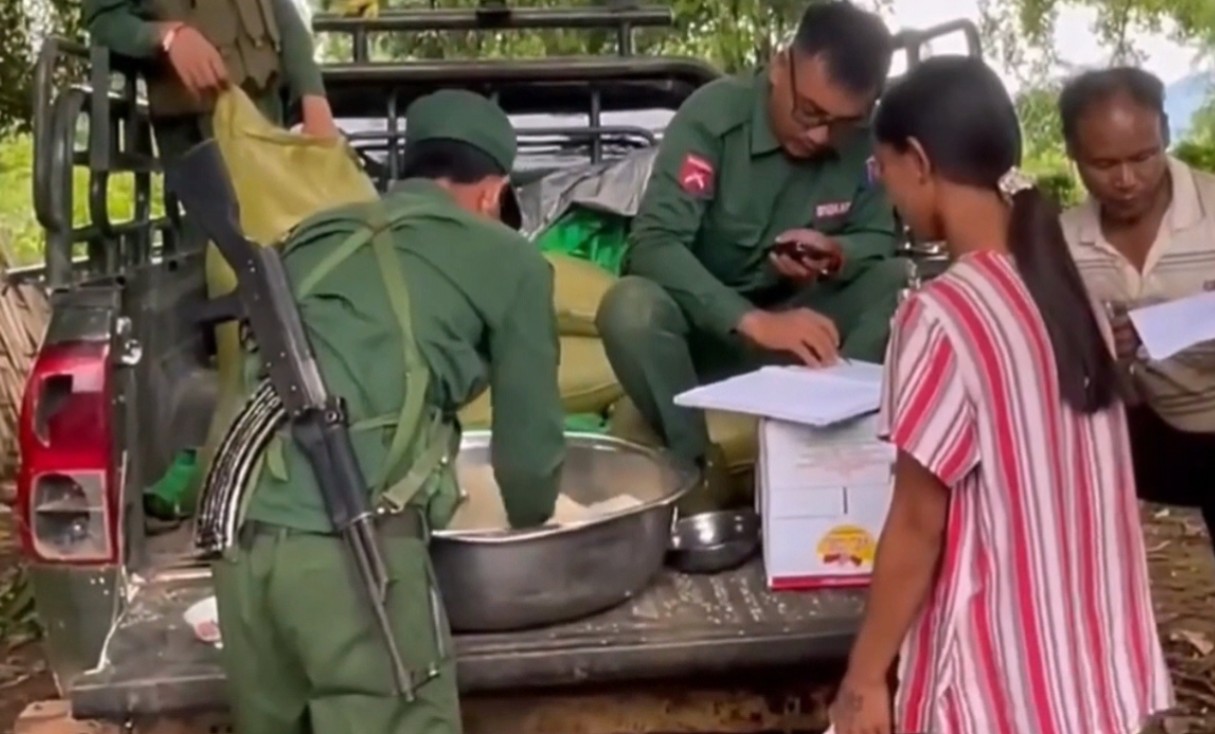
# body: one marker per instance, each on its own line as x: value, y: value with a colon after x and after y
x: 804, y: 254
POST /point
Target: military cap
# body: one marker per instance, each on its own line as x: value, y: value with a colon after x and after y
x: 470, y: 118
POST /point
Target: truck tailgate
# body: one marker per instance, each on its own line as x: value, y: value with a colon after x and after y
x: 681, y: 625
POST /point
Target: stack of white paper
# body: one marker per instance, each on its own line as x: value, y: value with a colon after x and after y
x: 814, y: 397
x: 1170, y: 327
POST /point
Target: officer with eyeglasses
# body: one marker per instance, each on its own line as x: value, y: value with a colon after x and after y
x: 763, y: 235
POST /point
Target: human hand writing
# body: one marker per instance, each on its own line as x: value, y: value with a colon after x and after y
x: 318, y: 118
x: 861, y: 708
x: 805, y: 255
x: 195, y: 61
x: 808, y: 335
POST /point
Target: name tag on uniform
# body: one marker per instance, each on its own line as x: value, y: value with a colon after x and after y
x: 832, y: 209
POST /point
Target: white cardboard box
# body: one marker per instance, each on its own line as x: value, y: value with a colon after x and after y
x: 822, y: 494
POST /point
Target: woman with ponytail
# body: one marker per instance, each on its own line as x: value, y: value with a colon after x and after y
x: 1010, y: 580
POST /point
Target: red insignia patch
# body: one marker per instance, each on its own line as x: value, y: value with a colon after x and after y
x: 696, y: 175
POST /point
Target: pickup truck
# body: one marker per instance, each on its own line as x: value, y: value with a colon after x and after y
x: 125, y: 379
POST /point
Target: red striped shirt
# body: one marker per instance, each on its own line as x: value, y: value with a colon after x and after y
x: 1040, y: 619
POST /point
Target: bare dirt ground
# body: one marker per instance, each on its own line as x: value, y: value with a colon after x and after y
x: 23, y: 675
x: 1183, y: 575
x: 1183, y: 584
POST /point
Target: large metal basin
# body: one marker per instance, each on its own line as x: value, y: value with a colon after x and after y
x: 515, y: 579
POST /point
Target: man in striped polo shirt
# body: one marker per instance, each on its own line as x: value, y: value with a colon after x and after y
x: 1146, y: 234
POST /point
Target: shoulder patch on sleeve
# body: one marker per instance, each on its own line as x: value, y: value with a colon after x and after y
x: 696, y: 175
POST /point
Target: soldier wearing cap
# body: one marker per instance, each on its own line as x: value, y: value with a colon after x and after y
x: 751, y: 165
x: 188, y: 50
x: 414, y: 305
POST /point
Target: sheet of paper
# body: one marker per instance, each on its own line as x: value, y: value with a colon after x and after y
x: 815, y: 397
x: 1173, y: 326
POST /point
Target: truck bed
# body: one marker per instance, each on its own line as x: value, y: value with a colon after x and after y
x: 681, y: 625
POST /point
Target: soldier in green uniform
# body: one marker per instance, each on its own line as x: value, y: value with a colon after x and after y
x: 190, y: 50
x: 414, y: 305
x: 778, y: 155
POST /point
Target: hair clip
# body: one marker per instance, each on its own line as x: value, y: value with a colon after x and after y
x: 1014, y: 182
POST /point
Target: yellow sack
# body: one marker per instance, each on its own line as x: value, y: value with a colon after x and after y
x: 280, y: 178
x: 734, y: 433
x: 578, y: 287
x: 584, y: 378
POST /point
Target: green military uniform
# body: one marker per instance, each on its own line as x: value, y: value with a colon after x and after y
x: 414, y: 307
x: 264, y: 43
x: 722, y: 190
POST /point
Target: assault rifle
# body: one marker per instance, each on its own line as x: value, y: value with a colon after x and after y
x: 319, y: 426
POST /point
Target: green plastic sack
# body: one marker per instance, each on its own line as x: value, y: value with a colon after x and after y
x: 588, y: 235
x: 169, y: 498
x: 586, y: 423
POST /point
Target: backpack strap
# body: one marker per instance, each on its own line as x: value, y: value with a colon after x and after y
x: 425, y: 447
x: 357, y: 239
x: 442, y: 444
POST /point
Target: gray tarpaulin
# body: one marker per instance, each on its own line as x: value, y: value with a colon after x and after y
x: 614, y: 187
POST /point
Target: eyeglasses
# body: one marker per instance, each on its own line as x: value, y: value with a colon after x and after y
x: 809, y: 116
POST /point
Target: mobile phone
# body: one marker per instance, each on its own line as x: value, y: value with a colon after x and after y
x: 801, y: 250
x: 808, y: 255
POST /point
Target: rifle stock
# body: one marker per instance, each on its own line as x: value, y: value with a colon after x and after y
x: 319, y: 426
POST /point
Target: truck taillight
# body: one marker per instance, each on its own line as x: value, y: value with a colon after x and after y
x: 68, y: 497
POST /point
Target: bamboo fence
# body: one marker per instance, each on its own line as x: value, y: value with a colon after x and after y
x: 24, y: 311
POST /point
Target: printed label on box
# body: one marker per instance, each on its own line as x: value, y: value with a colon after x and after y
x: 834, y: 466
x: 846, y: 548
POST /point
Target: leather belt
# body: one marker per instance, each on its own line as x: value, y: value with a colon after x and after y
x: 407, y: 524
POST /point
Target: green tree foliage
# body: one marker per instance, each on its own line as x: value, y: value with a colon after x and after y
x: 1023, y: 29
x: 1061, y: 186
x: 1199, y: 149
x: 24, y: 23
x: 1204, y: 122
x: 1020, y: 34
x: 730, y: 34
x: 1043, y: 154
x: 1200, y: 154
x: 18, y: 229
x: 736, y: 34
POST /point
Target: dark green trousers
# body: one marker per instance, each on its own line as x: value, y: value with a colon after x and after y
x: 302, y: 653
x: 657, y: 354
